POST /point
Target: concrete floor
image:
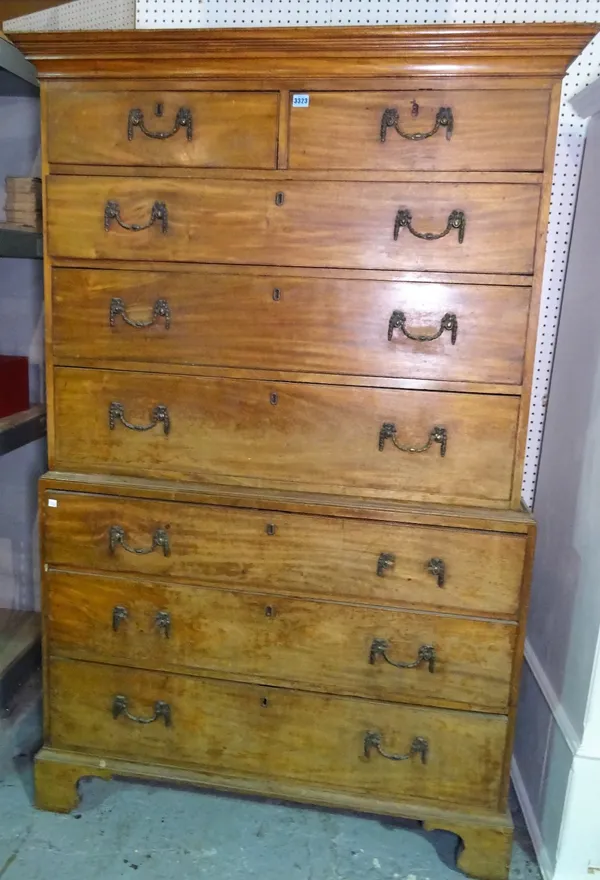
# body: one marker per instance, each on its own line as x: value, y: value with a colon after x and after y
x: 126, y: 830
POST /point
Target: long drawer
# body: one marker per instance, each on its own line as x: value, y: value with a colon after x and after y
x: 485, y: 227
x: 337, y: 648
x: 448, y: 569
x: 204, y: 129
x: 314, y: 437
x: 278, y: 734
x: 467, y: 130
x: 277, y: 322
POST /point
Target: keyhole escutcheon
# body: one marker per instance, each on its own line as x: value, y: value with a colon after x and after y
x: 274, y: 398
x: 279, y: 199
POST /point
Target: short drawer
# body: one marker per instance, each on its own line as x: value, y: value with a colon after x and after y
x: 232, y: 729
x: 336, y: 648
x: 475, y: 227
x: 421, y: 130
x: 454, y: 448
x: 445, y: 568
x: 445, y: 332
x: 192, y: 129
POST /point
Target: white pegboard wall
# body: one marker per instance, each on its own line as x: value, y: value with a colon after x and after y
x: 274, y: 13
x: 88, y: 15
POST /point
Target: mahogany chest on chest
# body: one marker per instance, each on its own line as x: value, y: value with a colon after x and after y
x: 292, y: 289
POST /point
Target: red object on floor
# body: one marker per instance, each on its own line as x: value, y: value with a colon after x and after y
x: 14, y: 384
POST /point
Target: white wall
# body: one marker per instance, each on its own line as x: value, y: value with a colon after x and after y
x: 564, y: 620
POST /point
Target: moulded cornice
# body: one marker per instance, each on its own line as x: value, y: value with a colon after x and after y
x: 535, y: 49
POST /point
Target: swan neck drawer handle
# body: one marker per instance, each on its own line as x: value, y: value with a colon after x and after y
x: 456, y: 220
x: 391, y: 119
x: 183, y: 119
x: 119, y: 614
x: 120, y: 706
x: 160, y: 413
x: 419, y: 746
x: 160, y: 540
x: 385, y: 562
x: 119, y: 309
x: 162, y: 619
x: 112, y: 211
x: 398, y: 322
x: 437, y: 567
x: 425, y: 654
x: 436, y: 435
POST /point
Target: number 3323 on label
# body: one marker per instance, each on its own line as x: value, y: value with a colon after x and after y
x: 300, y: 100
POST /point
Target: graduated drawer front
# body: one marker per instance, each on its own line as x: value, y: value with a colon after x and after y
x: 488, y: 130
x: 295, y: 554
x: 211, y: 129
x: 329, y: 224
x: 337, y: 648
x: 314, y: 437
x: 277, y: 734
x: 317, y: 325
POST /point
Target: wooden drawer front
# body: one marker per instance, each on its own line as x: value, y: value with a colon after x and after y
x: 330, y: 224
x: 321, y: 437
x: 211, y: 129
x: 318, y: 325
x: 490, y: 131
x: 297, y: 554
x: 273, y: 733
x: 336, y: 648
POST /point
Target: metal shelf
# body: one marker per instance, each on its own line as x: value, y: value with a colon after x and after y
x: 22, y: 428
x: 16, y: 63
x: 18, y: 242
x: 20, y: 651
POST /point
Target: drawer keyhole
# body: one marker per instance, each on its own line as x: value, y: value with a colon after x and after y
x: 276, y: 294
x: 270, y: 611
x: 270, y: 528
x: 264, y: 703
x: 279, y: 199
x: 274, y: 398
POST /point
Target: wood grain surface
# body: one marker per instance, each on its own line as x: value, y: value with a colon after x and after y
x: 276, y: 322
x: 316, y: 437
x: 228, y: 129
x: 329, y: 223
x: 290, y: 642
x: 288, y: 554
x: 342, y: 130
x: 273, y: 733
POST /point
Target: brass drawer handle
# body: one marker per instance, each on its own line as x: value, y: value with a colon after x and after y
x: 183, y: 119
x: 160, y: 539
x: 119, y: 614
x: 118, y: 308
x: 161, y: 710
x: 425, y: 654
x: 398, y: 322
x: 419, y: 746
x: 391, y: 119
x: 437, y: 567
x: 456, y: 220
x: 385, y: 562
x: 162, y: 620
x: 160, y: 413
x: 112, y: 211
x: 436, y: 435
